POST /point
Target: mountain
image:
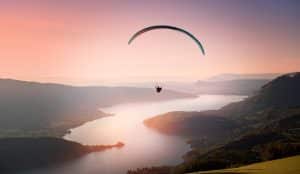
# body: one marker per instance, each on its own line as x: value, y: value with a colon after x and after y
x: 282, y: 92
x: 270, y: 103
x: 36, y: 109
x: 181, y: 86
x: 262, y: 127
x: 228, y: 77
x: 230, y: 84
x: 230, y: 87
x: 223, y: 87
x: 237, y: 84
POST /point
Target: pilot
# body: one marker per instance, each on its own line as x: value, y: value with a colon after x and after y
x: 158, y: 89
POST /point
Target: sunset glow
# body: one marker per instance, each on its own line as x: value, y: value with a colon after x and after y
x: 149, y: 86
x: 85, y: 42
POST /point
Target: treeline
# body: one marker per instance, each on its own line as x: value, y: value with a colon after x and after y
x: 234, y: 156
x: 231, y: 156
x: 151, y: 170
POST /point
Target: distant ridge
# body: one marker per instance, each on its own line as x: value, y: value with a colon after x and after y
x: 228, y: 76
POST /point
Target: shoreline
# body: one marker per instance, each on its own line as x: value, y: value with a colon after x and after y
x: 49, y: 150
x: 104, y: 114
x: 69, y: 130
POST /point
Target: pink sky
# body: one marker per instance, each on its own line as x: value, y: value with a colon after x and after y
x: 86, y: 42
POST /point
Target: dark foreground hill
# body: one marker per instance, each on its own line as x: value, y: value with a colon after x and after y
x: 27, y: 153
x: 262, y: 127
x: 35, y: 109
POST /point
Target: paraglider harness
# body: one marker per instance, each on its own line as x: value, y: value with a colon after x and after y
x: 158, y: 89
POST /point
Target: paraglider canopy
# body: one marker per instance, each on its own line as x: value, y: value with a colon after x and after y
x: 156, y: 27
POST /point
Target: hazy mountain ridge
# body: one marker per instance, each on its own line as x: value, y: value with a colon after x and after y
x: 225, y: 87
x: 233, y: 87
x: 232, y: 76
x: 223, y: 84
x: 36, y: 109
x: 234, y: 84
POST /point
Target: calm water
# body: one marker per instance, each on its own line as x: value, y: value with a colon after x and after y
x: 143, y: 146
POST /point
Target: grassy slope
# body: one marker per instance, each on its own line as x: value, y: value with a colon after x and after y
x: 281, y: 166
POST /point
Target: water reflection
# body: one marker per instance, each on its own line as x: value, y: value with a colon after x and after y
x: 143, y: 146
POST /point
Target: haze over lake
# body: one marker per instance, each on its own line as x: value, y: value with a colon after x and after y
x: 144, y: 147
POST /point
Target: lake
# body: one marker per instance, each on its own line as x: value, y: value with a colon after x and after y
x: 144, y: 147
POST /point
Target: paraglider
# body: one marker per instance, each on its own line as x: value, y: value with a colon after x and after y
x: 156, y: 27
x: 158, y: 89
